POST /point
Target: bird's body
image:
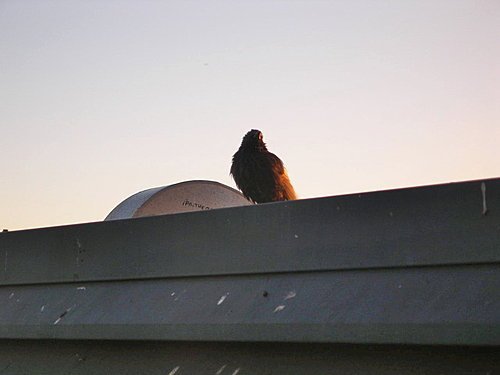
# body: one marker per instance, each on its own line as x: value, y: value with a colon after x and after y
x: 260, y: 174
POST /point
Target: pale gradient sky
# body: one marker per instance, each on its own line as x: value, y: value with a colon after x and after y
x: 102, y: 99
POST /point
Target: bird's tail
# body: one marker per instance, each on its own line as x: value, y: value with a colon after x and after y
x: 288, y: 192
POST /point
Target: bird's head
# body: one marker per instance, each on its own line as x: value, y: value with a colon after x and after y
x: 253, y: 140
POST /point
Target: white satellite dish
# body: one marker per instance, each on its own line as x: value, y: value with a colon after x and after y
x: 182, y: 197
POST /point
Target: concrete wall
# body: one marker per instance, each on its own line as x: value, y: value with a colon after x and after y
x: 405, y: 280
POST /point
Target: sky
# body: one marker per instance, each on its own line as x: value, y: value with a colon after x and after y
x: 102, y: 99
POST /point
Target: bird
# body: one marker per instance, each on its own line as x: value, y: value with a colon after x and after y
x: 258, y: 173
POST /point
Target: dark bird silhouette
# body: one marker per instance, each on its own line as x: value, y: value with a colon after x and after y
x: 258, y: 173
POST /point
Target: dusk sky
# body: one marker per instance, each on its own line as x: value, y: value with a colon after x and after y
x: 102, y: 99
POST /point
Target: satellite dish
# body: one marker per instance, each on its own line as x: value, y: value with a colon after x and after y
x: 182, y: 197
